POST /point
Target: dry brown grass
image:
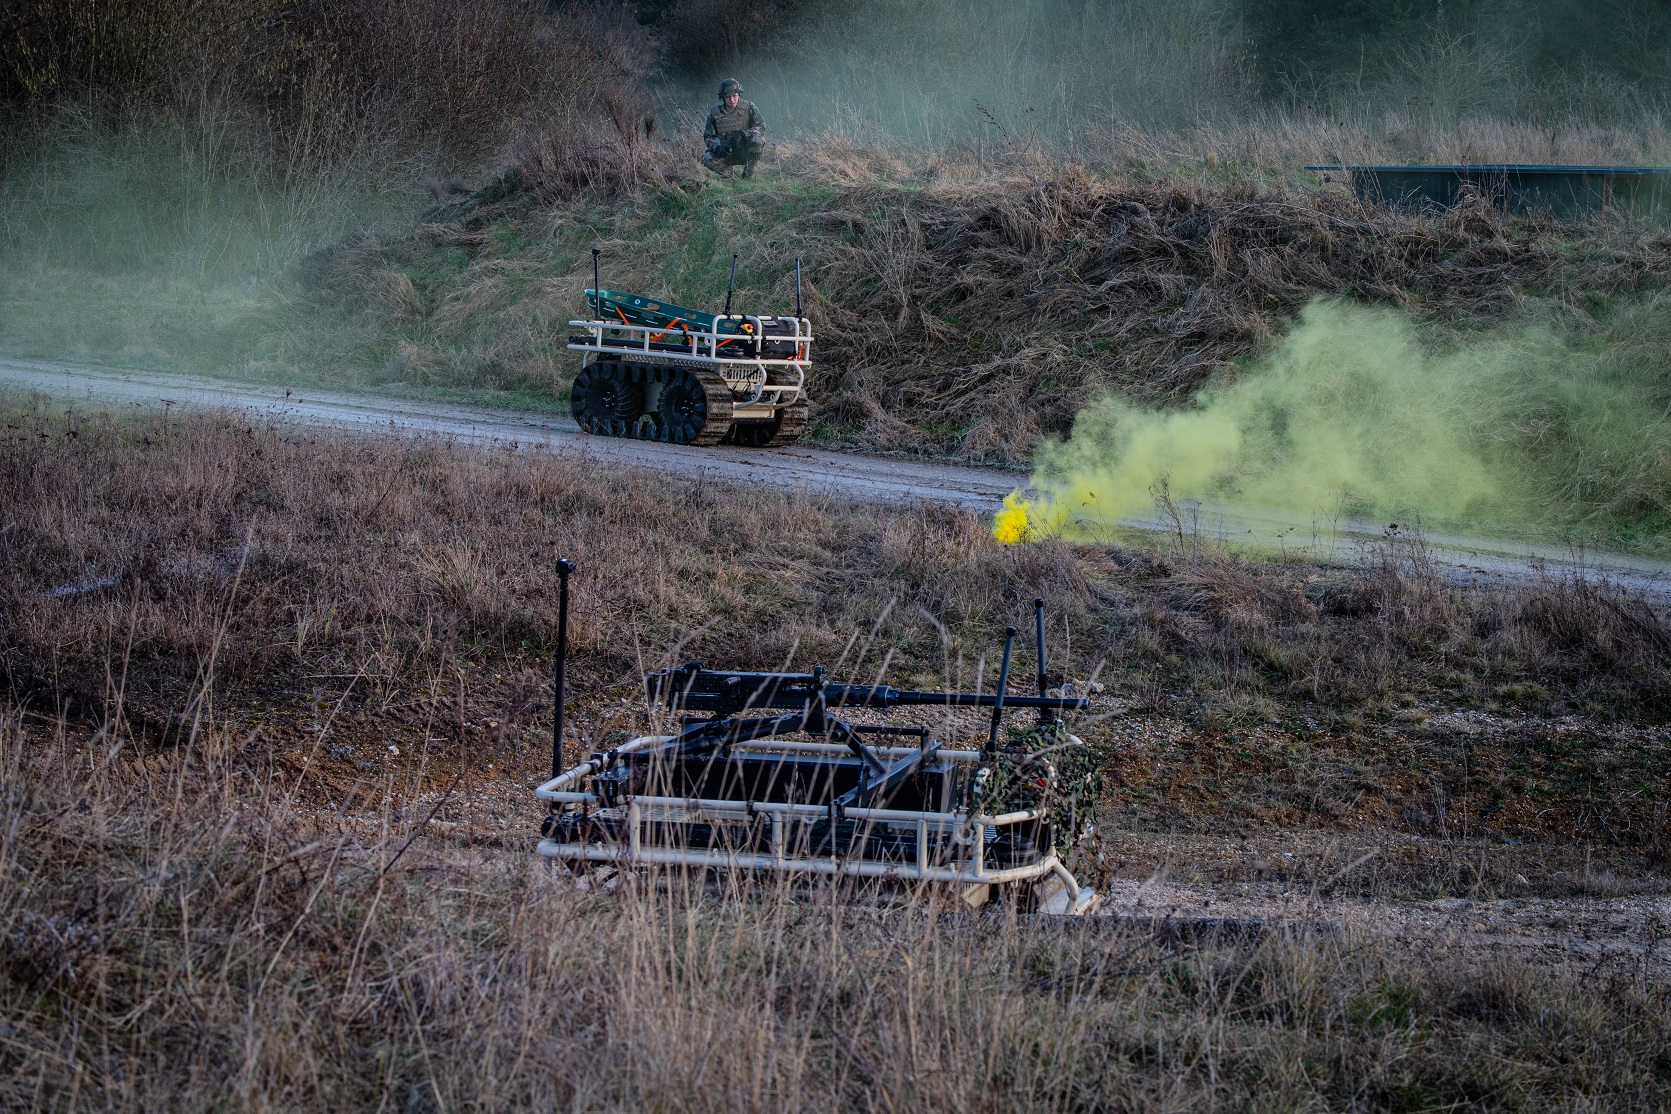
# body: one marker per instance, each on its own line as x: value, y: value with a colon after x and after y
x: 221, y: 886
x: 178, y: 935
x: 1273, y: 144
x: 140, y: 534
x: 1400, y: 625
x: 422, y: 556
x: 403, y: 591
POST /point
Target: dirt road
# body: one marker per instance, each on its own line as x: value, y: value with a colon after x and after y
x: 857, y: 477
x: 848, y: 475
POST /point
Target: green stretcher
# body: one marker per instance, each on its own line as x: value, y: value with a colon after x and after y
x: 636, y: 309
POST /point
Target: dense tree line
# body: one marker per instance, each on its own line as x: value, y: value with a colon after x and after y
x: 1301, y: 46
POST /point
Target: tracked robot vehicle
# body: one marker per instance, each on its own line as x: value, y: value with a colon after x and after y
x: 660, y: 372
x: 769, y: 773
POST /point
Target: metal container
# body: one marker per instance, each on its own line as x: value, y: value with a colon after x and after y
x: 1564, y: 192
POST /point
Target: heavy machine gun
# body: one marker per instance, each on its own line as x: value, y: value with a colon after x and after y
x: 692, y: 688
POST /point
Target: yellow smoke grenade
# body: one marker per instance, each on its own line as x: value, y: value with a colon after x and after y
x: 1347, y: 413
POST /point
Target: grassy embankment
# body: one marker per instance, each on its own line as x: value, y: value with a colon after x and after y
x: 972, y: 313
x: 246, y: 669
x: 372, y: 583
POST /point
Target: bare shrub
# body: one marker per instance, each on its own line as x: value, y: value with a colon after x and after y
x: 705, y: 36
x: 1581, y: 620
x: 1229, y: 595
x: 456, y: 77
x: 564, y: 159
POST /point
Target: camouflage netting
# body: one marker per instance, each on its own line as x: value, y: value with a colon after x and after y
x: 1042, y: 766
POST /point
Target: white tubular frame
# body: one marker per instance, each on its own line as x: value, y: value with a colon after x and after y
x: 786, y: 853
x: 748, y: 377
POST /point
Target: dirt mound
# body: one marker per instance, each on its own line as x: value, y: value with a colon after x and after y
x: 997, y: 312
x: 964, y: 316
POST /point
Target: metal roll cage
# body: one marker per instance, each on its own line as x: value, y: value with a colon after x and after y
x: 961, y: 859
x: 748, y: 376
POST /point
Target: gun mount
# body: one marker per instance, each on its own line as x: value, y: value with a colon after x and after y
x: 772, y: 771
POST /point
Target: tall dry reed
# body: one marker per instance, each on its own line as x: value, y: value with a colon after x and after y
x: 180, y: 933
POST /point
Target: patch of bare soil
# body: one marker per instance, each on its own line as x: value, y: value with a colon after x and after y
x: 1603, y: 921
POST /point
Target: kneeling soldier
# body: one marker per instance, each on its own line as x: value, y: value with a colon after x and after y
x: 735, y: 132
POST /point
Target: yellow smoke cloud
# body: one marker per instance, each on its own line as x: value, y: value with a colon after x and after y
x: 1011, y: 524
x: 1347, y: 413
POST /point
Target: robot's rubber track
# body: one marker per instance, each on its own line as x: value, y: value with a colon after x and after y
x: 785, y: 429
x: 679, y: 404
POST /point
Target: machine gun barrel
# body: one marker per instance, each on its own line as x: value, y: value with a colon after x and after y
x: 727, y: 693
x: 883, y: 696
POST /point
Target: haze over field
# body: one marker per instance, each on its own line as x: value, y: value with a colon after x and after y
x: 165, y: 177
x: 1073, y: 71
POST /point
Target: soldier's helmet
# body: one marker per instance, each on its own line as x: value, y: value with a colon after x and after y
x: 730, y: 85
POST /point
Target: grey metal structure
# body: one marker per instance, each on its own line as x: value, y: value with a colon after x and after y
x: 769, y: 774
x: 1565, y: 192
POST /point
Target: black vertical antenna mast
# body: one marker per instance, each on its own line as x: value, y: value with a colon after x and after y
x: 1045, y: 715
x: 564, y: 568
x: 798, y: 312
x: 1003, y: 683
x: 730, y: 286
x: 597, y: 290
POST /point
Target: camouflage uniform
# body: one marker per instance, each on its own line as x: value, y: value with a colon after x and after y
x: 735, y: 136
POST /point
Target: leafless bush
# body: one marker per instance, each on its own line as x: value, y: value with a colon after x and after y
x: 562, y: 161
x: 1230, y: 596
x: 701, y: 37
x: 435, y: 75
x: 1401, y: 623
x: 1580, y: 619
